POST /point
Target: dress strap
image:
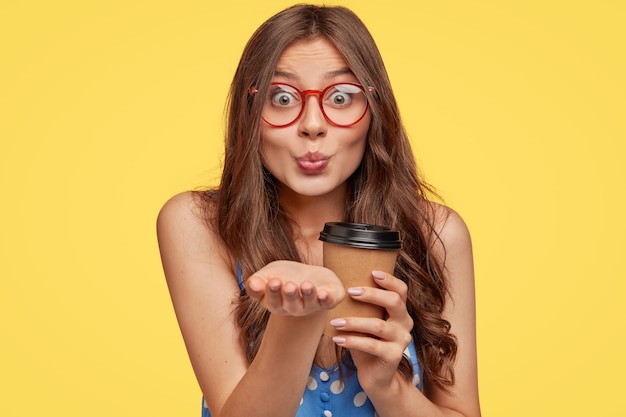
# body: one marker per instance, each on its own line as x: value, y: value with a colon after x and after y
x: 242, y: 286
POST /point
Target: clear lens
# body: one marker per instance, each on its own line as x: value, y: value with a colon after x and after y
x: 344, y: 104
x: 283, y: 105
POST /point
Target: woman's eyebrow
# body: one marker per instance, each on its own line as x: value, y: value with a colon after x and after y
x: 285, y: 74
x: 336, y: 73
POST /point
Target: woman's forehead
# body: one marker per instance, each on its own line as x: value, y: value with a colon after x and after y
x: 311, y: 59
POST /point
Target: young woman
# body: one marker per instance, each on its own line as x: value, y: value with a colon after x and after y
x: 314, y: 136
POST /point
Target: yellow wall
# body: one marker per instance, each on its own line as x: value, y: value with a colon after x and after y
x: 107, y: 108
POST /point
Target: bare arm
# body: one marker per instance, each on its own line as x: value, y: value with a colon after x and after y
x: 203, y: 288
x: 460, y: 311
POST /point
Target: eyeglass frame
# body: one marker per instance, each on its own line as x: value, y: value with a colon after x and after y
x: 320, y: 95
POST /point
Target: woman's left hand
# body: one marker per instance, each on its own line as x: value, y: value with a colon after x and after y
x: 378, y: 351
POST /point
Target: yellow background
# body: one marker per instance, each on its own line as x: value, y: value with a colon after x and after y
x: 516, y: 111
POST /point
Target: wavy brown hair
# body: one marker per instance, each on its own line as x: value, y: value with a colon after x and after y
x: 385, y: 189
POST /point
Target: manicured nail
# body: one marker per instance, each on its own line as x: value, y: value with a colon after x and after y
x: 378, y: 274
x: 355, y: 291
x: 339, y: 340
x: 338, y: 322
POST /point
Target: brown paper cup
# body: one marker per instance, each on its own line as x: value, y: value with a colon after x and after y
x: 352, y: 251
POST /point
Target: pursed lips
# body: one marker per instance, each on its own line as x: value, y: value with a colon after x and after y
x: 312, y: 162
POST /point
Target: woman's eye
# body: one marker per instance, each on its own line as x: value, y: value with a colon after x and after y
x: 342, y: 95
x: 283, y: 98
x: 339, y: 99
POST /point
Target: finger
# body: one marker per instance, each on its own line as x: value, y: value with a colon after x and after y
x: 372, y: 326
x: 391, y: 283
x: 388, y: 352
x: 309, y: 296
x: 324, y: 299
x: 255, y: 287
x: 292, y: 302
x: 331, y: 295
x: 378, y: 328
x: 273, y: 297
x: 391, y: 301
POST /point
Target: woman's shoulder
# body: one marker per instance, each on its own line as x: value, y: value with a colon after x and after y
x: 449, y: 228
x: 182, y: 211
x: 188, y: 209
x: 184, y: 221
x: 187, y: 203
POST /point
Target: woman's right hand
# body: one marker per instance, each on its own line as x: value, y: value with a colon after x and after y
x: 295, y: 289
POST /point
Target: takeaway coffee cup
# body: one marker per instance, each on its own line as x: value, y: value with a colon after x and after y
x: 352, y: 251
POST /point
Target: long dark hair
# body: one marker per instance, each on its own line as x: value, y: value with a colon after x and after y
x: 385, y: 189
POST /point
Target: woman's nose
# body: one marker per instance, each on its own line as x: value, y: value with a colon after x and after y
x: 312, y: 123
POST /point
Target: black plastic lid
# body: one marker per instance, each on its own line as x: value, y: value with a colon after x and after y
x: 360, y: 235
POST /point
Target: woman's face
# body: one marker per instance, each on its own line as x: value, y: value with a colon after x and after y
x: 312, y: 157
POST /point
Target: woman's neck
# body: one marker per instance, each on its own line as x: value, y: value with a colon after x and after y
x: 309, y: 213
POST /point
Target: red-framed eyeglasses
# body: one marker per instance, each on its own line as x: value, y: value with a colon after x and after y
x: 342, y: 104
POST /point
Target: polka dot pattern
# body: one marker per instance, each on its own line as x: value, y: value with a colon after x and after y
x: 311, y: 384
x: 326, y: 395
x: 416, y: 379
x: 336, y: 387
x: 359, y: 399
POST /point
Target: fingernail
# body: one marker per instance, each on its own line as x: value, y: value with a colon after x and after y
x: 339, y: 340
x: 355, y: 291
x: 338, y: 322
x: 378, y: 274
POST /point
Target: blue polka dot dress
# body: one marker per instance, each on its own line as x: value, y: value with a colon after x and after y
x: 326, y: 395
